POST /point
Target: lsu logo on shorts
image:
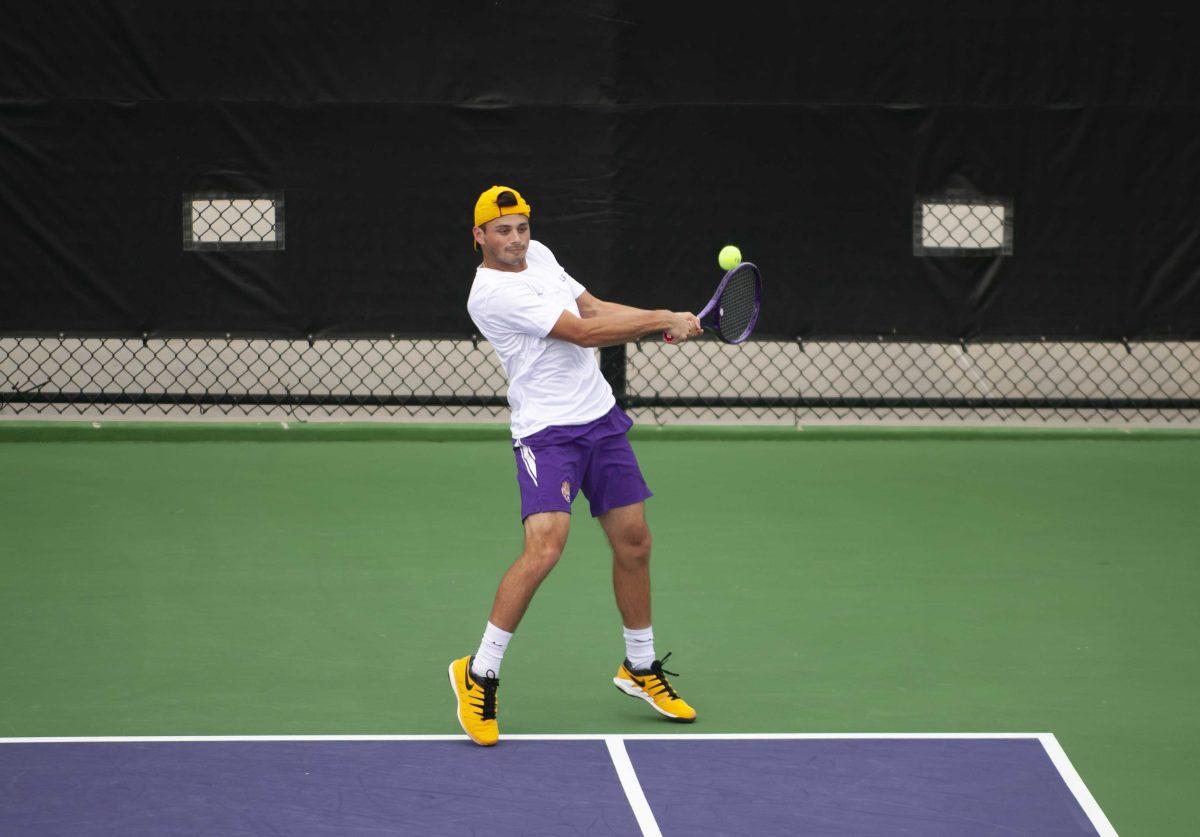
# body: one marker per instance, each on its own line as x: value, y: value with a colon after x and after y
x: 566, y: 491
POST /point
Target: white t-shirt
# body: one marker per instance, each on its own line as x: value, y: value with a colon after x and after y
x: 550, y: 382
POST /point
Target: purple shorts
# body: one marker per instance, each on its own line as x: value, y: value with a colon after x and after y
x: 555, y: 463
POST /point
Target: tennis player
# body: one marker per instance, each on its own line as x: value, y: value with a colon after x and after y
x: 568, y: 435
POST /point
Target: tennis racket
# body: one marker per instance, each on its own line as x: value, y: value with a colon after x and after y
x: 733, y: 309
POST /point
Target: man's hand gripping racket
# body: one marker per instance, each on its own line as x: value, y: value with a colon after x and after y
x: 733, y: 309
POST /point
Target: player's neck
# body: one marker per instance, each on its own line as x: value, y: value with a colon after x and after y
x: 507, y: 268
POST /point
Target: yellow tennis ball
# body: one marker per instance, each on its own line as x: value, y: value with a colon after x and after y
x: 729, y: 257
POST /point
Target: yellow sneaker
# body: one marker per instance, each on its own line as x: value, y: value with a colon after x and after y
x: 651, y: 686
x: 476, y: 698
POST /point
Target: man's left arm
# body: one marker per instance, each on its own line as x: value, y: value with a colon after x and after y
x: 590, y: 306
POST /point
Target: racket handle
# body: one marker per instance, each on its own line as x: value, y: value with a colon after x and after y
x: 667, y: 336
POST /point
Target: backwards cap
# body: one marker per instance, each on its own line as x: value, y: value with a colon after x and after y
x: 497, y: 201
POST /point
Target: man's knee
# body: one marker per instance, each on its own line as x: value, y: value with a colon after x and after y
x: 545, y: 538
x: 634, y: 547
x: 543, y: 554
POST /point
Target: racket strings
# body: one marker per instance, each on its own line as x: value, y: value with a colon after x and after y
x: 738, y: 304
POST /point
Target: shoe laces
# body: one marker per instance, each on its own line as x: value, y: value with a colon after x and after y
x: 488, y: 686
x: 656, y: 668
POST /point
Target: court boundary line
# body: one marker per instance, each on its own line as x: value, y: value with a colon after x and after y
x: 572, y: 736
x: 1050, y: 744
x: 632, y: 787
x: 1075, y: 783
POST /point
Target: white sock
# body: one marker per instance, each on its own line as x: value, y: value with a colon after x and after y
x: 491, y: 652
x: 639, y: 647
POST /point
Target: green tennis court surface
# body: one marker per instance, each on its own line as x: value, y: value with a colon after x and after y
x: 888, y: 583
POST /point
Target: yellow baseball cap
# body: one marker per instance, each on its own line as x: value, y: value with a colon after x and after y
x: 497, y: 201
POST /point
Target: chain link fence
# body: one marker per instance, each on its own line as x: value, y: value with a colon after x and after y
x: 961, y: 226
x: 222, y: 221
x: 704, y: 381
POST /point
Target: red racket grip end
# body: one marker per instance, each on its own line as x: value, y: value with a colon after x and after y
x: 667, y: 336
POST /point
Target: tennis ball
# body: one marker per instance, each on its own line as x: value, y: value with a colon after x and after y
x: 729, y: 257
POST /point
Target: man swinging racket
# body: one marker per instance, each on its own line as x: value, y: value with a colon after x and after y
x: 568, y: 435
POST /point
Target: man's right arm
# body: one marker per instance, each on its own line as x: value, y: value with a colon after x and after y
x: 623, y: 327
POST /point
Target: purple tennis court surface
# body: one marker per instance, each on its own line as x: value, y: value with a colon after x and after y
x: 692, y: 785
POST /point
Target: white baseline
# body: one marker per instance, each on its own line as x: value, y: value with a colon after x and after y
x: 616, y: 749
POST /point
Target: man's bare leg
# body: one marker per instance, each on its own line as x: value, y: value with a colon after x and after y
x: 629, y: 536
x: 475, y: 679
x: 641, y: 675
x: 545, y: 537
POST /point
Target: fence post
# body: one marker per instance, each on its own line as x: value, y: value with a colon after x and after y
x: 612, y: 367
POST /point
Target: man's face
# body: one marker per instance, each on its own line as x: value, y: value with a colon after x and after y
x: 505, y: 239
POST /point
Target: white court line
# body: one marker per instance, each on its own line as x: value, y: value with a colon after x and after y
x: 587, y: 736
x: 633, y: 788
x: 1082, y: 795
x: 615, y: 743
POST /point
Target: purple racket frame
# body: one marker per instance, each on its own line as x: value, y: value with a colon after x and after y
x: 714, y: 322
